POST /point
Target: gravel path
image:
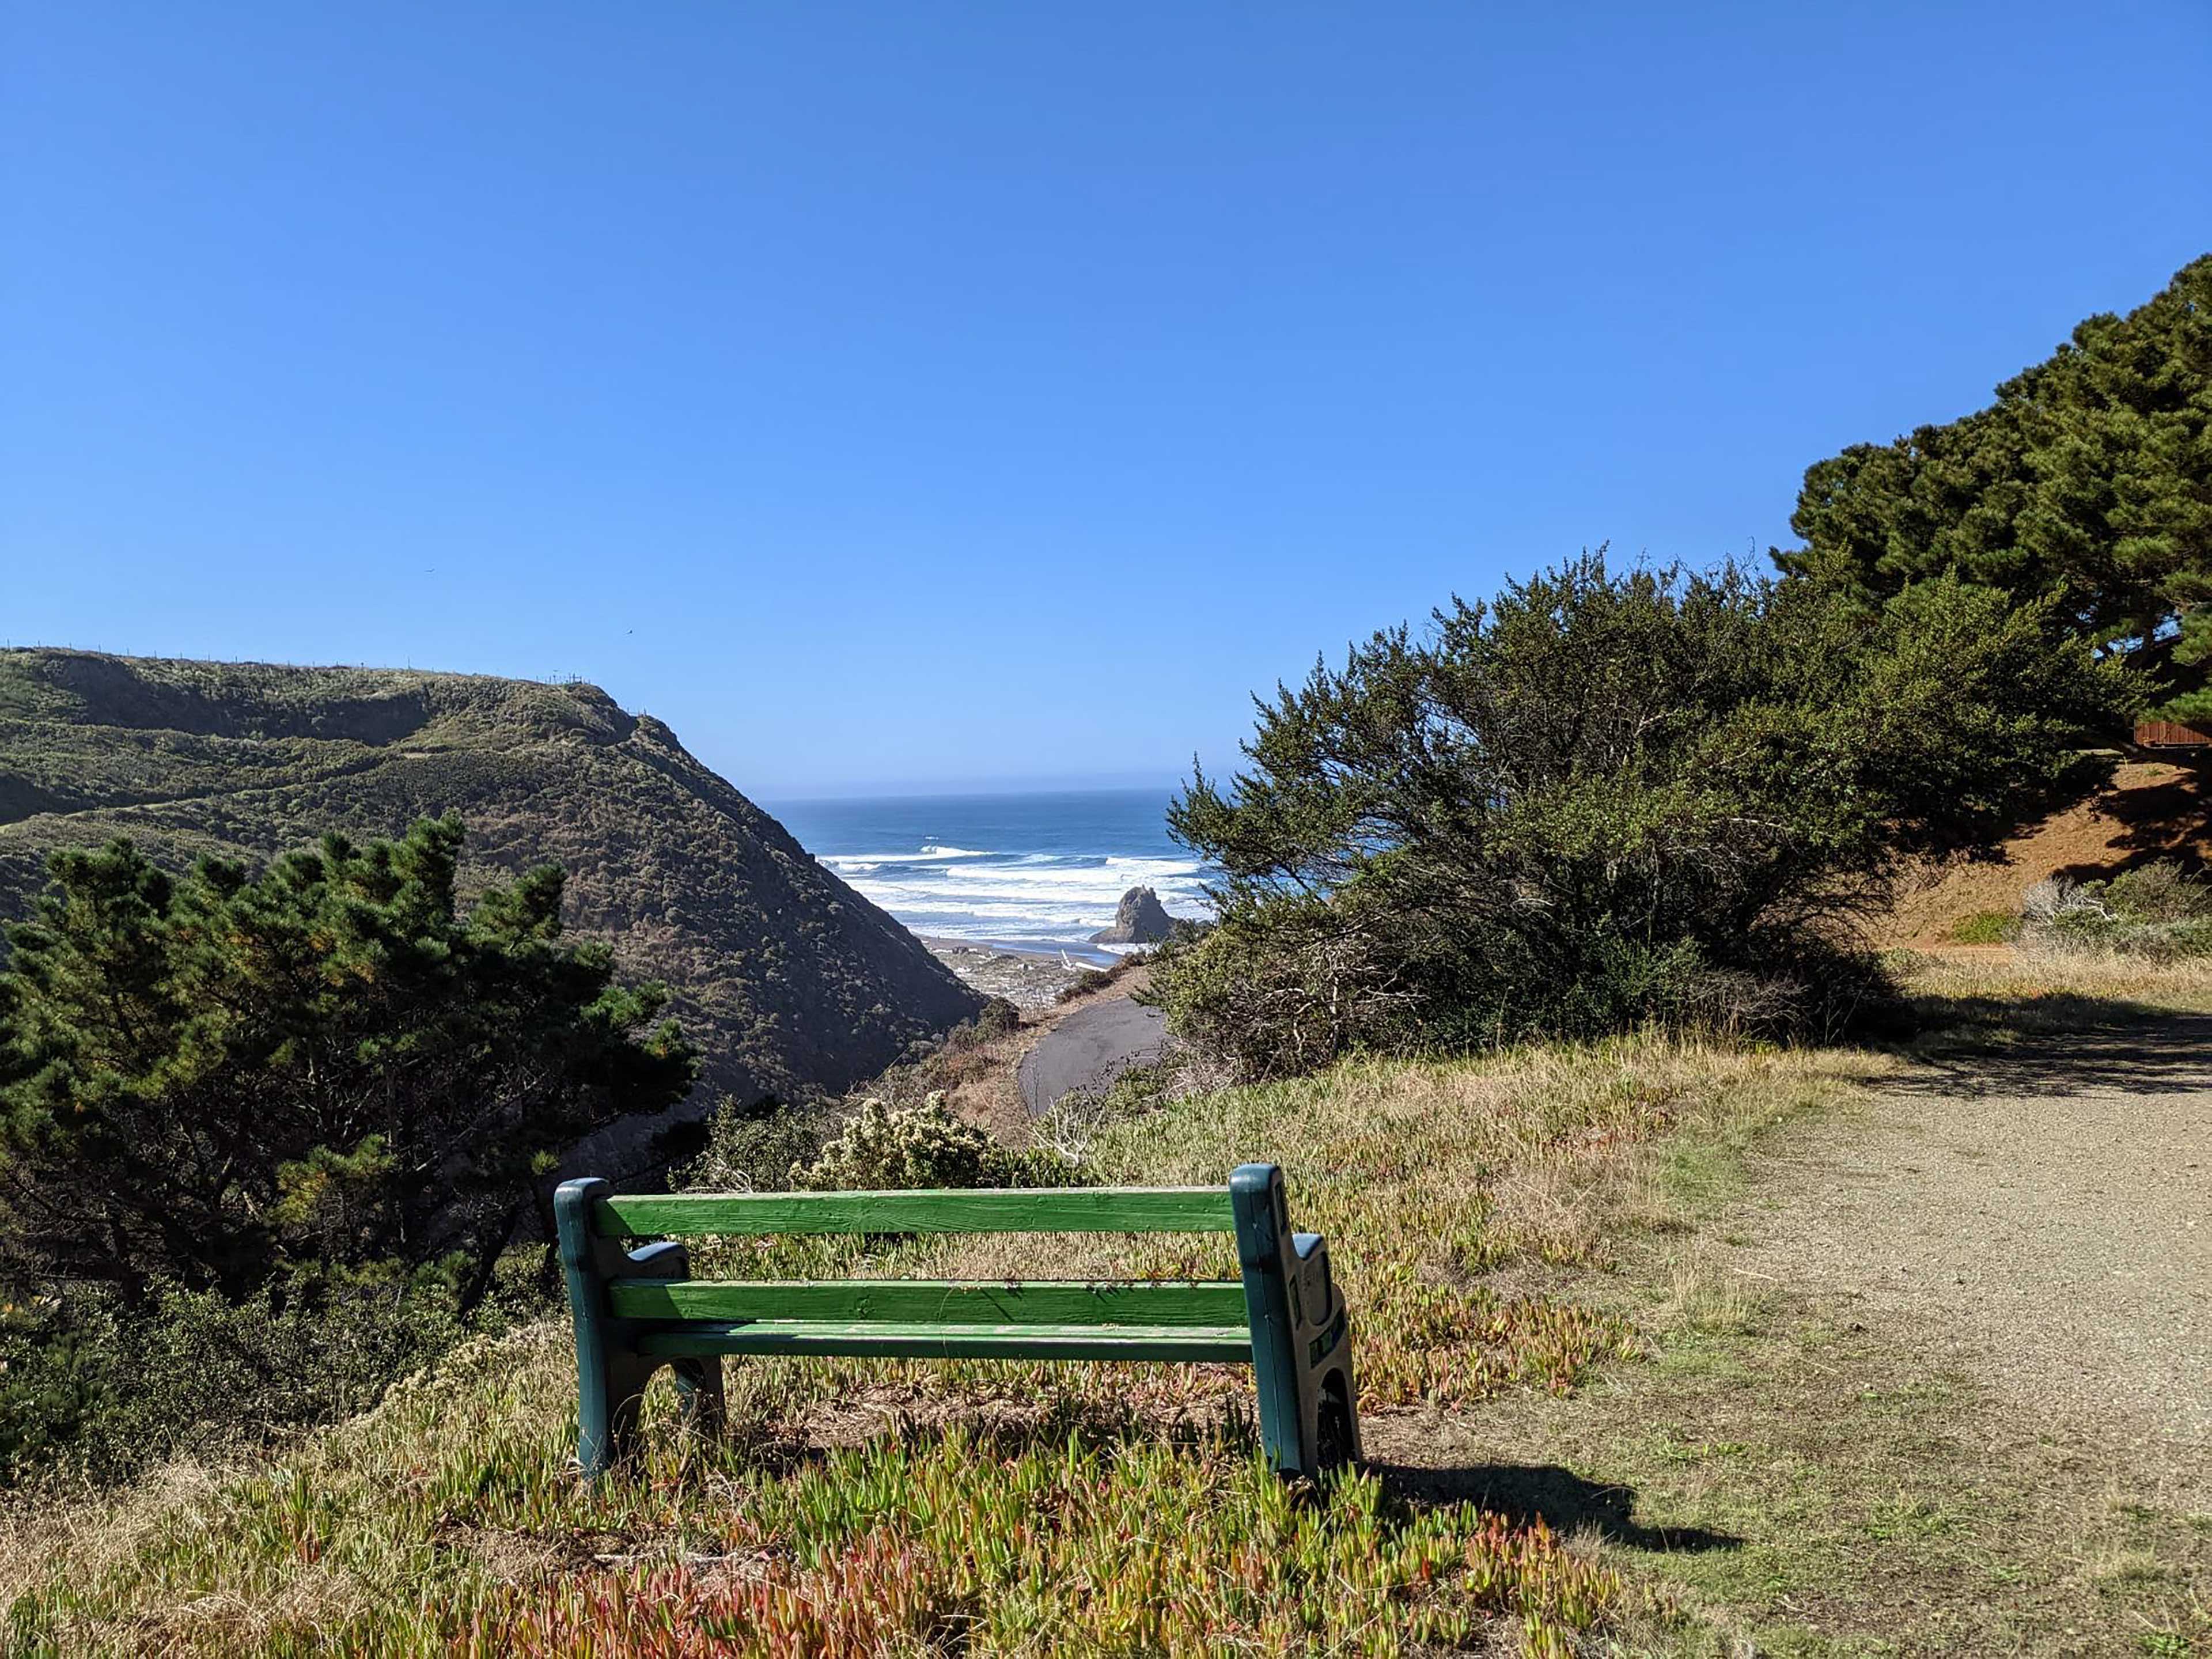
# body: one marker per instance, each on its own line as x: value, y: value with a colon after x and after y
x: 2045, y: 1214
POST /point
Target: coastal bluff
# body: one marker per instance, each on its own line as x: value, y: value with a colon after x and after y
x: 788, y: 979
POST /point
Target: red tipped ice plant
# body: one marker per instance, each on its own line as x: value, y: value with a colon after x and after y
x: 881, y: 1594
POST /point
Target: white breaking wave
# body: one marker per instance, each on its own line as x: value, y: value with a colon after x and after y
x: 1036, y: 895
x: 1079, y: 878
x: 1042, y: 871
x: 931, y: 855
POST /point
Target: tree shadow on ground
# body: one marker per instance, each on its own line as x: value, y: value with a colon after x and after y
x: 2057, y: 1045
x: 1560, y: 1498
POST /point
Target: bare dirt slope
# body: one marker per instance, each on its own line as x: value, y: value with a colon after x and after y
x: 2153, y: 809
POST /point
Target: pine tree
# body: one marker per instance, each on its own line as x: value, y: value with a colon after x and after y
x: 203, y: 1078
x: 2088, y: 482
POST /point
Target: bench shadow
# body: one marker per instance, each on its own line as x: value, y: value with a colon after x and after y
x: 999, y: 1425
x: 1560, y: 1498
x: 1985, y: 1046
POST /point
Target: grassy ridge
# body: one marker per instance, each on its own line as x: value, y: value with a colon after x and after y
x: 788, y: 979
x: 1013, y: 1509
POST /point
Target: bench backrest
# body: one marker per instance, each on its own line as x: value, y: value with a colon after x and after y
x: 634, y: 1291
x: 636, y: 1308
x: 1031, y: 1210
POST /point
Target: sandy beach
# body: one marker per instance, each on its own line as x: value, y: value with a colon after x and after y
x: 1027, y: 979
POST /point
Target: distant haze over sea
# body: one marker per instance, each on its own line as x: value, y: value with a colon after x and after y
x: 1038, y: 871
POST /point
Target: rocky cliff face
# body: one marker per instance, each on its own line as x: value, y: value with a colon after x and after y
x: 788, y: 979
x: 1139, y: 919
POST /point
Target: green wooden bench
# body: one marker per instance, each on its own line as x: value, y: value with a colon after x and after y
x: 637, y: 1309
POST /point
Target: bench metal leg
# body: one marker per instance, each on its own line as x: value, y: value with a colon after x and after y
x: 608, y: 1406
x: 607, y: 1409
x: 1335, y: 1396
x: 699, y: 1388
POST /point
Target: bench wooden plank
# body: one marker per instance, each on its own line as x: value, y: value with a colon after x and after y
x: 891, y: 1339
x: 637, y: 1310
x: 1035, y: 1210
x: 1031, y: 1302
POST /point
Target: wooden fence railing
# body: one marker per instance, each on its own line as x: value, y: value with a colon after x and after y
x: 2172, y: 734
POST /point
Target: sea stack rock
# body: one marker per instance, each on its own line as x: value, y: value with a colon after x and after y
x: 1139, y: 919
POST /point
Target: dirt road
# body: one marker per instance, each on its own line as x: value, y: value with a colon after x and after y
x: 2044, y: 1215
x: 1934, y: 1378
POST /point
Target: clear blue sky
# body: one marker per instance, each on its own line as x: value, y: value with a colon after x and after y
x: 950, y: 394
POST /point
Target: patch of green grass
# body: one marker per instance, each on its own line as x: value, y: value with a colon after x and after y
x: 1985, y: 928
x: 1907, y: 1515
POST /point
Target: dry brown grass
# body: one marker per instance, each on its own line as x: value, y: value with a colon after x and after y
x: 2040, y: 986
x: 2153, y: 809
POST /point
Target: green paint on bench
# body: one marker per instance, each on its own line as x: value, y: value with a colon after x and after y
x: 907, y: 1340
x: 1039, y: 1210
x: 638, y: 1310
x: 945, y: 1302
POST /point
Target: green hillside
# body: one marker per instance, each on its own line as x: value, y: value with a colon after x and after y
x: 786, y: 978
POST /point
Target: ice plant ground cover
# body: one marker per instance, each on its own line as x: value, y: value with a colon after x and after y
x: 1003, y: 1508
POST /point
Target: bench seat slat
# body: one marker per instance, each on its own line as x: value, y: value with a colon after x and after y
x: 886, y: 1339
x: 1031, y: 1302
x: 1033, y: 1210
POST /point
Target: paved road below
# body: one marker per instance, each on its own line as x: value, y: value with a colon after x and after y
x: 1089, y: 1049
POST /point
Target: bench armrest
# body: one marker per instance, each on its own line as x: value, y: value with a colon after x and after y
x: 664, y: 1258
x: 1309, y: 1406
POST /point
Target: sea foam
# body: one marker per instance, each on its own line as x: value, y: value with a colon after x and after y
x: 1051, y: 873
x: 1028, y: 895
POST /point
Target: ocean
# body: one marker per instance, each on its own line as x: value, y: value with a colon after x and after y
x: 1026, y: 873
